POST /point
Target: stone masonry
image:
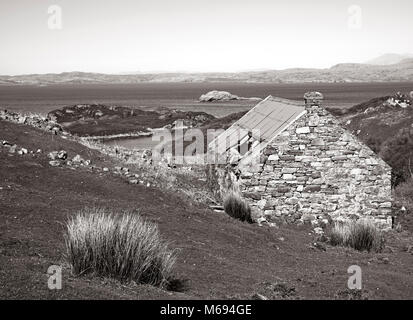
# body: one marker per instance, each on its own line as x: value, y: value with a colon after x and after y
x: 316, y: 171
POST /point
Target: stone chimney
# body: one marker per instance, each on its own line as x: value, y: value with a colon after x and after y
x: 313, y: 98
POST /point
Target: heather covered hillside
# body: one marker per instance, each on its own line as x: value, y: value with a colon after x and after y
x: 99, y: 120
x: 385, y: 124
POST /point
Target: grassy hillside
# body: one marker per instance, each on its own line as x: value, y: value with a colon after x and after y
x: 386, y: 128
x: 218, y: 257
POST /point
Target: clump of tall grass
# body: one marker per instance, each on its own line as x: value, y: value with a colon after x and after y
x: 236, y: 207
x: 122, y: 246
x: 360, y: 235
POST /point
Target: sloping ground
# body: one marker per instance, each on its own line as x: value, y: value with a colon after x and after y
x: 378, y: 126
x: 387, y: 129
x: 218, y: 257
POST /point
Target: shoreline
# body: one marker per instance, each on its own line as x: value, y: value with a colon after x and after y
x: 119, y: 136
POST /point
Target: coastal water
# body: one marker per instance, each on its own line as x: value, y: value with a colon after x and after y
x: 184, y: 96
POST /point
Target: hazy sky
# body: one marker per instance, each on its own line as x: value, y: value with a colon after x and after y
x: 198, y: 35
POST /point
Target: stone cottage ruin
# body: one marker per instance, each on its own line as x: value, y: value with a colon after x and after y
x: 293, y: 161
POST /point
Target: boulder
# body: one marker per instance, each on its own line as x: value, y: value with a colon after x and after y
x: 62, y: 155
x: 55, y: 155
x: 56, y: 130
x: 318, y: 231
x: 78, y: 159
x: 22, y: 151
x: 12, y: 149
x: 54, y: 163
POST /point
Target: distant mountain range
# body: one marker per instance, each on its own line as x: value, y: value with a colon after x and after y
x: 377, y: 70
x: 390, y: 58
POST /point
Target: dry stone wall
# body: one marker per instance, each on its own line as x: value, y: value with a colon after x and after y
x: 316, y: 171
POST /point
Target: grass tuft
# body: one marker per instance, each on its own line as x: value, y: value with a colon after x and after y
x: 361, y: 235
x: 236, y: 207
x: 122, y: 246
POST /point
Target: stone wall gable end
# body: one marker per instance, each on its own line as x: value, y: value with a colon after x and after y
x: 315, y: 169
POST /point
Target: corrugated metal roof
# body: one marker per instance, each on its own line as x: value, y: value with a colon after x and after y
x: 263, y: 123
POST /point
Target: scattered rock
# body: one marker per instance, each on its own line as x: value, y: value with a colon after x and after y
x: 36, y: 121
x: 54, y: 163
x: 261, y: 220
x: 12, y: 149
x: 318, y: 231
x: 398, y: 100
x: 56, y: 130
x: 257, y: 296
x: 62, y: 155
x: 78, y: 159
x: 54, y: 155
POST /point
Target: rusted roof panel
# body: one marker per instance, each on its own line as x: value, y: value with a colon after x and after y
x: 269, y: 118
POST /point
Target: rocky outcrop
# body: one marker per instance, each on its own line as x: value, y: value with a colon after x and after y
x: 13, y: 148
x: 216, y: 95
x: 36, y: 121
x: 398, y: 100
